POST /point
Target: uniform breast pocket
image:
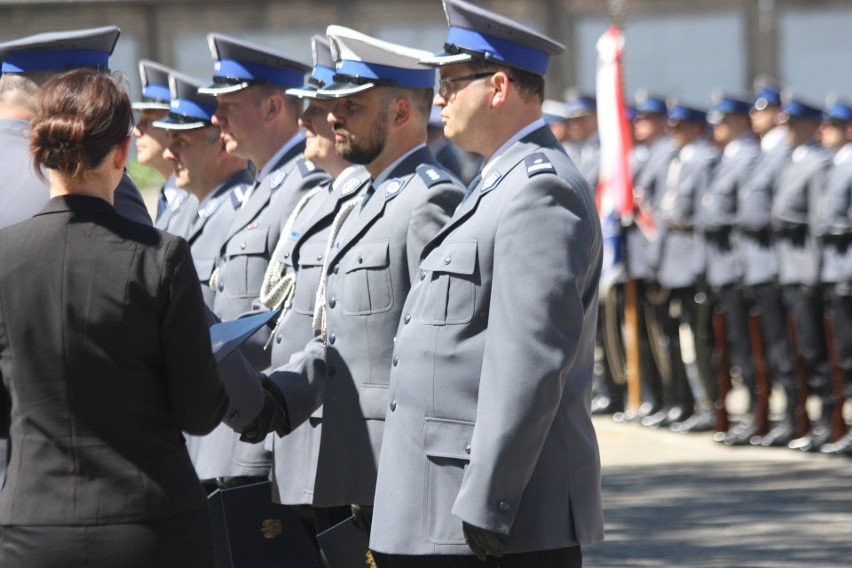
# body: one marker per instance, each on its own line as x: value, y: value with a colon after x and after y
x: 451, y: 291
x: 366, y: 283
x: 447, y: 445
x: 311, y: 258
x: 247, y: 256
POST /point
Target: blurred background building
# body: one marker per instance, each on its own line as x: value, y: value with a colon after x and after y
x: 675, y: 47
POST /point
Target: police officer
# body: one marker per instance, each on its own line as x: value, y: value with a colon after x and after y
x: 585, y: 146
x: 291, y: 283
x: 834, y: 229
x: 175, y: 207
x: 203, y: 169
x: 26, y: 64
x: 491, y: 377
x: 733, y: 135
x: 759, y: 260
x: 380, y: 114
x: 652, y: 151
x: 678, y: 258
x: 794, y: 207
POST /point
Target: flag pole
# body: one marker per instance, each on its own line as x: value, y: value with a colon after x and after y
x: 619, y: 11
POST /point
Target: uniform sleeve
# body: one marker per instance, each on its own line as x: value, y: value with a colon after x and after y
x: 301, y: 382
x: 198, y: 398
x: 430, y: 215
x: 542, y: 311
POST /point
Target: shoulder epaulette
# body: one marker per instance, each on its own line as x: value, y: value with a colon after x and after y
x: 433, y: 175
x: 177, y: 202
x: 306, y: 167
x: 538, y: 163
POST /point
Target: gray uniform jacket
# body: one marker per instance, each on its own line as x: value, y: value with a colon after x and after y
x: 295, y: 455
x: 587, y: 157
x: 251, y: 238
x: 371, y: 269
x: 678, y: 253
x: 753, y: 220
x: 646, y: 175
x: 794, y: 211
x: 206, y: 232
x: 180, y: 210
x: 834, y: 220
x: 489, y: 418
x: 719, y: 208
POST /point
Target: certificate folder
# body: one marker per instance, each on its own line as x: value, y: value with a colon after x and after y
x: 250, y: 531
x: 345, y: 545
x: 227, y: 336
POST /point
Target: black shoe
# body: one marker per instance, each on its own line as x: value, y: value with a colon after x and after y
x: 815, y: 439
x: 665, y: 417
x: 843, y: 446
x: 605, y: 405
x: 780, y: 435
x: 701, y: 422
x: 741, y: 434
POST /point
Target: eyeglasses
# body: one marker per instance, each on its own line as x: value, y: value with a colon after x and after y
x: 444, y: 88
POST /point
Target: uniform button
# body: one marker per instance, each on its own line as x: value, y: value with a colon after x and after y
x: 395, y: 360
x: 448, y: 259
x: 332, y: 302
x: 336, y: 268
x: 360, y: 259
x: 332, y: 371
x: 407, y: 318
x: 242, y: 246
x: 286, y: 255
x: 467, y: 448
x: 319, y: 257
x: 393, y: 406
x: 503, y: 506
x: 220, y: 286
x: 332, y: 338
x: 422, y: 275
x: 278, y: 339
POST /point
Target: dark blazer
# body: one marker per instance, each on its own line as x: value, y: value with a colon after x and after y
x: 105, y: 358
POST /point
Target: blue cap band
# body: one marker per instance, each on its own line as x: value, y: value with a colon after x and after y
x: 412, y: 78
x: 159, y: 92
x: 282, y: 77
x: 502, y: 50
x: 46, y: 60
x: 191, y: 108
x: 839, y: 112
x: 323, y: 74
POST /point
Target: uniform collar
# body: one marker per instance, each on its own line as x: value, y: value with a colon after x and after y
x: 520, y: 134
x: 273, y: 161
x: 387, y: 171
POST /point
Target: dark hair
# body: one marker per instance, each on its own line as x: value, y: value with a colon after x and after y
x: 421, y: 99
x: 80, y: 116
x: 527, y: 83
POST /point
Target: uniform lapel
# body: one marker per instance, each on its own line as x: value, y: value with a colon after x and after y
x: 223, y: 195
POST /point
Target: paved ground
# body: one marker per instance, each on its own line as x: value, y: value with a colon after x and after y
x: 682, y: 500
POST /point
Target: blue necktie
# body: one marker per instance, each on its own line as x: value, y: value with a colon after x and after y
x: 371, y: 189
x: 472, y: 185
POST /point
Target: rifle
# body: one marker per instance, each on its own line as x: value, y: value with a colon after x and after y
x: 724, y: 372
x: 762, y: 387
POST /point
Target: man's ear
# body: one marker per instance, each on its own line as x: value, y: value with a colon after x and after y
x: 400, y: 111
x: 502, y: 85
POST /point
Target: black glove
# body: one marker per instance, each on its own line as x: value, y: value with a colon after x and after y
x: 483, y: 542
x: 272, y: 416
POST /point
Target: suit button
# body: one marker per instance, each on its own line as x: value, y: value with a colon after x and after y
x: 278, y: 339
x: 467, y: 448
x: 422, y: 275
x: 448, y: 259
x: 407, y: 318
x: 503, y: 506
x: 332, y: 338
x: 393, y: 406
x: 319, y: 257
x: 395, y: 360
x: 336, y: 268
x: 242, y: 246
x: 331, y: 372
x: 332, y: 302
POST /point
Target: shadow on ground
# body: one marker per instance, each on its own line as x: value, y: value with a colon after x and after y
x: 732, y: 514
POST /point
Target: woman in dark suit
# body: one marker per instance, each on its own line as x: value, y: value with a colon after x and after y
x: 105, y: 358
